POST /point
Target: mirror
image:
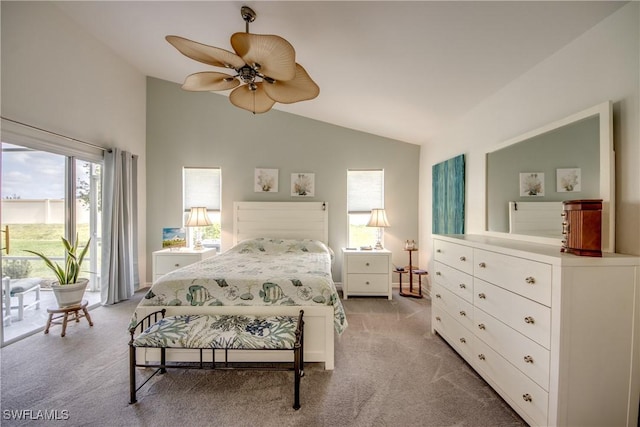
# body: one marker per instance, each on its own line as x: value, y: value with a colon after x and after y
x: 529, y: 176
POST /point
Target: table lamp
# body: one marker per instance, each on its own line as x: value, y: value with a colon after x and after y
x: 198, y: 217
x: 378, y: 219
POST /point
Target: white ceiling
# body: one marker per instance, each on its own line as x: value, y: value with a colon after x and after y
x: 396, y: 69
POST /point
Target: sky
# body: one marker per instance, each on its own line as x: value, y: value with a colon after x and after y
x: 32, y: 174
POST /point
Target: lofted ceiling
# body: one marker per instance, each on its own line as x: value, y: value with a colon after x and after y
x: 401, y: 70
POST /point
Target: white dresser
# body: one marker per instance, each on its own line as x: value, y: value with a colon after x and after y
x: 166, y: 260
x: 552, y: 333
x: 366, y: 273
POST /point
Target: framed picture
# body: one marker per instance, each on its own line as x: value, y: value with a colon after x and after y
x: 532, y: 184
x: 303, y: 184
x: 265, y: 180
x: 174, y: 238
x: 568, y: 180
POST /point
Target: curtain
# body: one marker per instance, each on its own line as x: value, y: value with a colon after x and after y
x: 119, y: 227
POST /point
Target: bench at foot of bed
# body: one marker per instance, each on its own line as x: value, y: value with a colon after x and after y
x: 216, y: 332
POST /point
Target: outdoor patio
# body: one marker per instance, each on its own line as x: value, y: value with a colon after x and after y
x: 35, y: 320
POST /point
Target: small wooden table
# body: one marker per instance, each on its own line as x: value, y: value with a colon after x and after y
x: 72, y: 312
x: 412, y: 270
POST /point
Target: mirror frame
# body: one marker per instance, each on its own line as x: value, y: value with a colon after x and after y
x: 607, y: 174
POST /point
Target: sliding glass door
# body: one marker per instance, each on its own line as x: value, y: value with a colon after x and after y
x: 45, y: 196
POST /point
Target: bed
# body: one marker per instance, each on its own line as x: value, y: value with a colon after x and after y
x: 279, y: 263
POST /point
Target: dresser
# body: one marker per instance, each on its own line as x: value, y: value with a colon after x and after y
x: 167, y: 260
x: 552, y: 333
x: 366, y: 273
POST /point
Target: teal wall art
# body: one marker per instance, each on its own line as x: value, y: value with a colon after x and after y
x: 448, y: 196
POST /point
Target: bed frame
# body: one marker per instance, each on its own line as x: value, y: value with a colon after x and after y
x: 539, y: 218
x: 290, y: 220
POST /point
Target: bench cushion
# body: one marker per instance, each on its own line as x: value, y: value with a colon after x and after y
x: 221, y: 331
x: 23, y: 285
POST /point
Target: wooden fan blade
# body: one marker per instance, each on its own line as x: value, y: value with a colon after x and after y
x: 208, y: 81
x: 255, y: 101
x: 275, y: 56
x: 206, y: 54
x: 301, y: 88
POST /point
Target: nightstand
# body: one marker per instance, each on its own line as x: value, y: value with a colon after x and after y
x: 366, y: 273
x: 166, y: 260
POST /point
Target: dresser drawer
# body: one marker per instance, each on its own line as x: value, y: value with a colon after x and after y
x: 454, y: 255
x: 167, y: 263
x: 368, y: 264
x: 528, y: 397
x: 454, y: 280
x: 525, y: 277
x: 457, y: 308
x: 368, y: 283
x: 458, y: 336
x: 526, y: 355
x: 527, y: 317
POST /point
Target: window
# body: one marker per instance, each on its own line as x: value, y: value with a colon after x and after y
x: 201, y: 187
x: 365, y: 191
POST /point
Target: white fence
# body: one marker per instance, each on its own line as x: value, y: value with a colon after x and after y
x: 40, y: 211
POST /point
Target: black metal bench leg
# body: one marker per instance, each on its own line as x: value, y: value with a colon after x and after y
x: 297, y: 371
x: 163, y: 360
x: 132, y: 374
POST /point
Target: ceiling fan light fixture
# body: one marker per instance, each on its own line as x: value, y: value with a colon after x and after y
x: 258, y: 58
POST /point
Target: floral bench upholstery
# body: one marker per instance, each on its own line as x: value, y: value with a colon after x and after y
x: 216, y: 332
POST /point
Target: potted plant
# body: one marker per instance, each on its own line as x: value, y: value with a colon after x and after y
x: 69, y: 289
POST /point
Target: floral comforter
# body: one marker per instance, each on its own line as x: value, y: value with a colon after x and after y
x: 261, y: 271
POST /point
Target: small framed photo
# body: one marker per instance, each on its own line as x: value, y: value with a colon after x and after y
x: 568, y: 180
x: 174, y: 238
x: 265, y: 180
x: 302, y: 184
x: 532, y: 184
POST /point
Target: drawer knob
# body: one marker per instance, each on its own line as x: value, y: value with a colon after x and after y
x: 367, y: 264
x: 463, y: 258
x: 438, y: 318
x: 462, y: 286
x: 481, y: 356
x: 462, y: 313
x: 366, y: 283
x: 481, y: 326
x: 527, y: 397
x: 528, y: 359
x: 529, y: 320
x: 462, y: 340
x: 530, y: 280
x: 438, y: 296
x: 438, y: 251
x: 438, y: 273
x: 482, y: 265
x: 177, y: 265
x: 482, y: 296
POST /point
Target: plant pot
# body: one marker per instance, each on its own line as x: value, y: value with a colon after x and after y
x: 71, y: 294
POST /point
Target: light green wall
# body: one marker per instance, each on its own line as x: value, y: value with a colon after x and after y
x: 204, y: 129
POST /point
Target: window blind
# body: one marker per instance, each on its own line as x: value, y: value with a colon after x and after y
x: 365, y: 190
x: 201, y: 188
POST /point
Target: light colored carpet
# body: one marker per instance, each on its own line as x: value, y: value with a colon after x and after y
x: 390, y: 371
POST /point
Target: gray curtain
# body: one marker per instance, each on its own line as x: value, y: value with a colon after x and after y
x: 119, y: 227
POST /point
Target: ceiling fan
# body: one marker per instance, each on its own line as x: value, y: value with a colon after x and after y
x: 265, y: 68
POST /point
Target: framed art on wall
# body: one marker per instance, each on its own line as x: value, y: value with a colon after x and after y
x: 448, y: 187
x: 568, y: 180
x: 302, y: 184
x: 265, y: 180
x: 532, y: 184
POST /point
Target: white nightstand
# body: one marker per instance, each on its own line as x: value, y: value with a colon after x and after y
x: 166, y: 260
x: 366, y: 273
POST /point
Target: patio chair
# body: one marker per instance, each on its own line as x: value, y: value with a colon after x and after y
x: 18, y: 288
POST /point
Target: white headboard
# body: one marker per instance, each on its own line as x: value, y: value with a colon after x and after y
x: 285, y: 220
x: 539, y: 218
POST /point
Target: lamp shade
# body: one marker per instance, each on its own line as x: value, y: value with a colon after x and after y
x: 378, y: 218
x: 198, y: 217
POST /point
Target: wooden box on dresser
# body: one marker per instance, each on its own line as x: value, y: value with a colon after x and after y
x: 552, y: 333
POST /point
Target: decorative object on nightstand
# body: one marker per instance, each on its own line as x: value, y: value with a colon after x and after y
x: 198, y: 217
x: 366, y: 273
x: 378, y: 219
x: 167, y: 260
x: 411, y: 270
x: 582, y: 227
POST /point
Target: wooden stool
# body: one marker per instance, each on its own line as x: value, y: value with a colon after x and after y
x: 77, y: 312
